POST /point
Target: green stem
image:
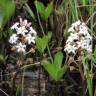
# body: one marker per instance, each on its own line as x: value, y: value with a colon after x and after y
x: 88, y: 74
x: 44, y: 35
x: 76, y: 4
x: 29, y: 10
x: 90, y: 87
x: 82, y: 76
x: 90, y: 78
x: 73, y: 4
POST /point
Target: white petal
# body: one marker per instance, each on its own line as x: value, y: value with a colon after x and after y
x: 15, y: 25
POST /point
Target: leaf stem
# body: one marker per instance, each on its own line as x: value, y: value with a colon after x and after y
x: 44, y: 35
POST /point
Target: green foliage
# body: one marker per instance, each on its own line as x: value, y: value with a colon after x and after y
x: 7, y: 8
x: 18, y: 91
x: 88, y: 73
x: 73, y: 9
x: 94, y: 56
x: 41, y: 43
x: 48, y: 11
x: 28, y: 9
x: 45, y: 12
x: 5, y: 34
x: 3, y: 58
x: 55, y: 70
x: 58, y: 60
x: 84, y: 2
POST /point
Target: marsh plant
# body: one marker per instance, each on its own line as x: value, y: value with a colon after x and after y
x: 79, y: 43
x: 61, y: 42
x: 22, y: 43
x: 79, y: 38
x: 23, y: 35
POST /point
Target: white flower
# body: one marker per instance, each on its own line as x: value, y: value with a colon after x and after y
x: 30, y: 39
x: 20, y: 47
x: 83, y: 30
x: 89, y: 49
x: 15, y: 26
x: 88, y: 36
x: 13, y: 39
x: 32, y: 31
x: 71, y: 29
x: 73, y: 37
x: 22, y: 31
x: 77, y: 23
x: 70, y: 49
x: 83, y: 27
x: 70, y: 39
x: 79, y: 38
x: 74, y: 26
x: 24, y: 35
x: 25, y: 22
x: 78, y: 44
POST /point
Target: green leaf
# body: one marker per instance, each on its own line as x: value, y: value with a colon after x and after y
x: 45, y: 12
x: 3, y: 58
x: 58, y: 59
x: 61, y: 72
x: 50, y: 68
x: 44, y: 42
x: 74, y: 9
x: 7, y: 8
x: 84, y: 2
x: 40, y: 8
x: 1, y: 18
x: 27, y: 7
x: 48, y: 10
x: 41, y: 43
x: 18, y: 90
x: 94, y: 55
x: 90, y: 86
x: 49, y: 35
x: 55, y: 70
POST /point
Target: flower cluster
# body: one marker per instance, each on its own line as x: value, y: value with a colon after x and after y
x: 23, y: 35
x: 79, y: 38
